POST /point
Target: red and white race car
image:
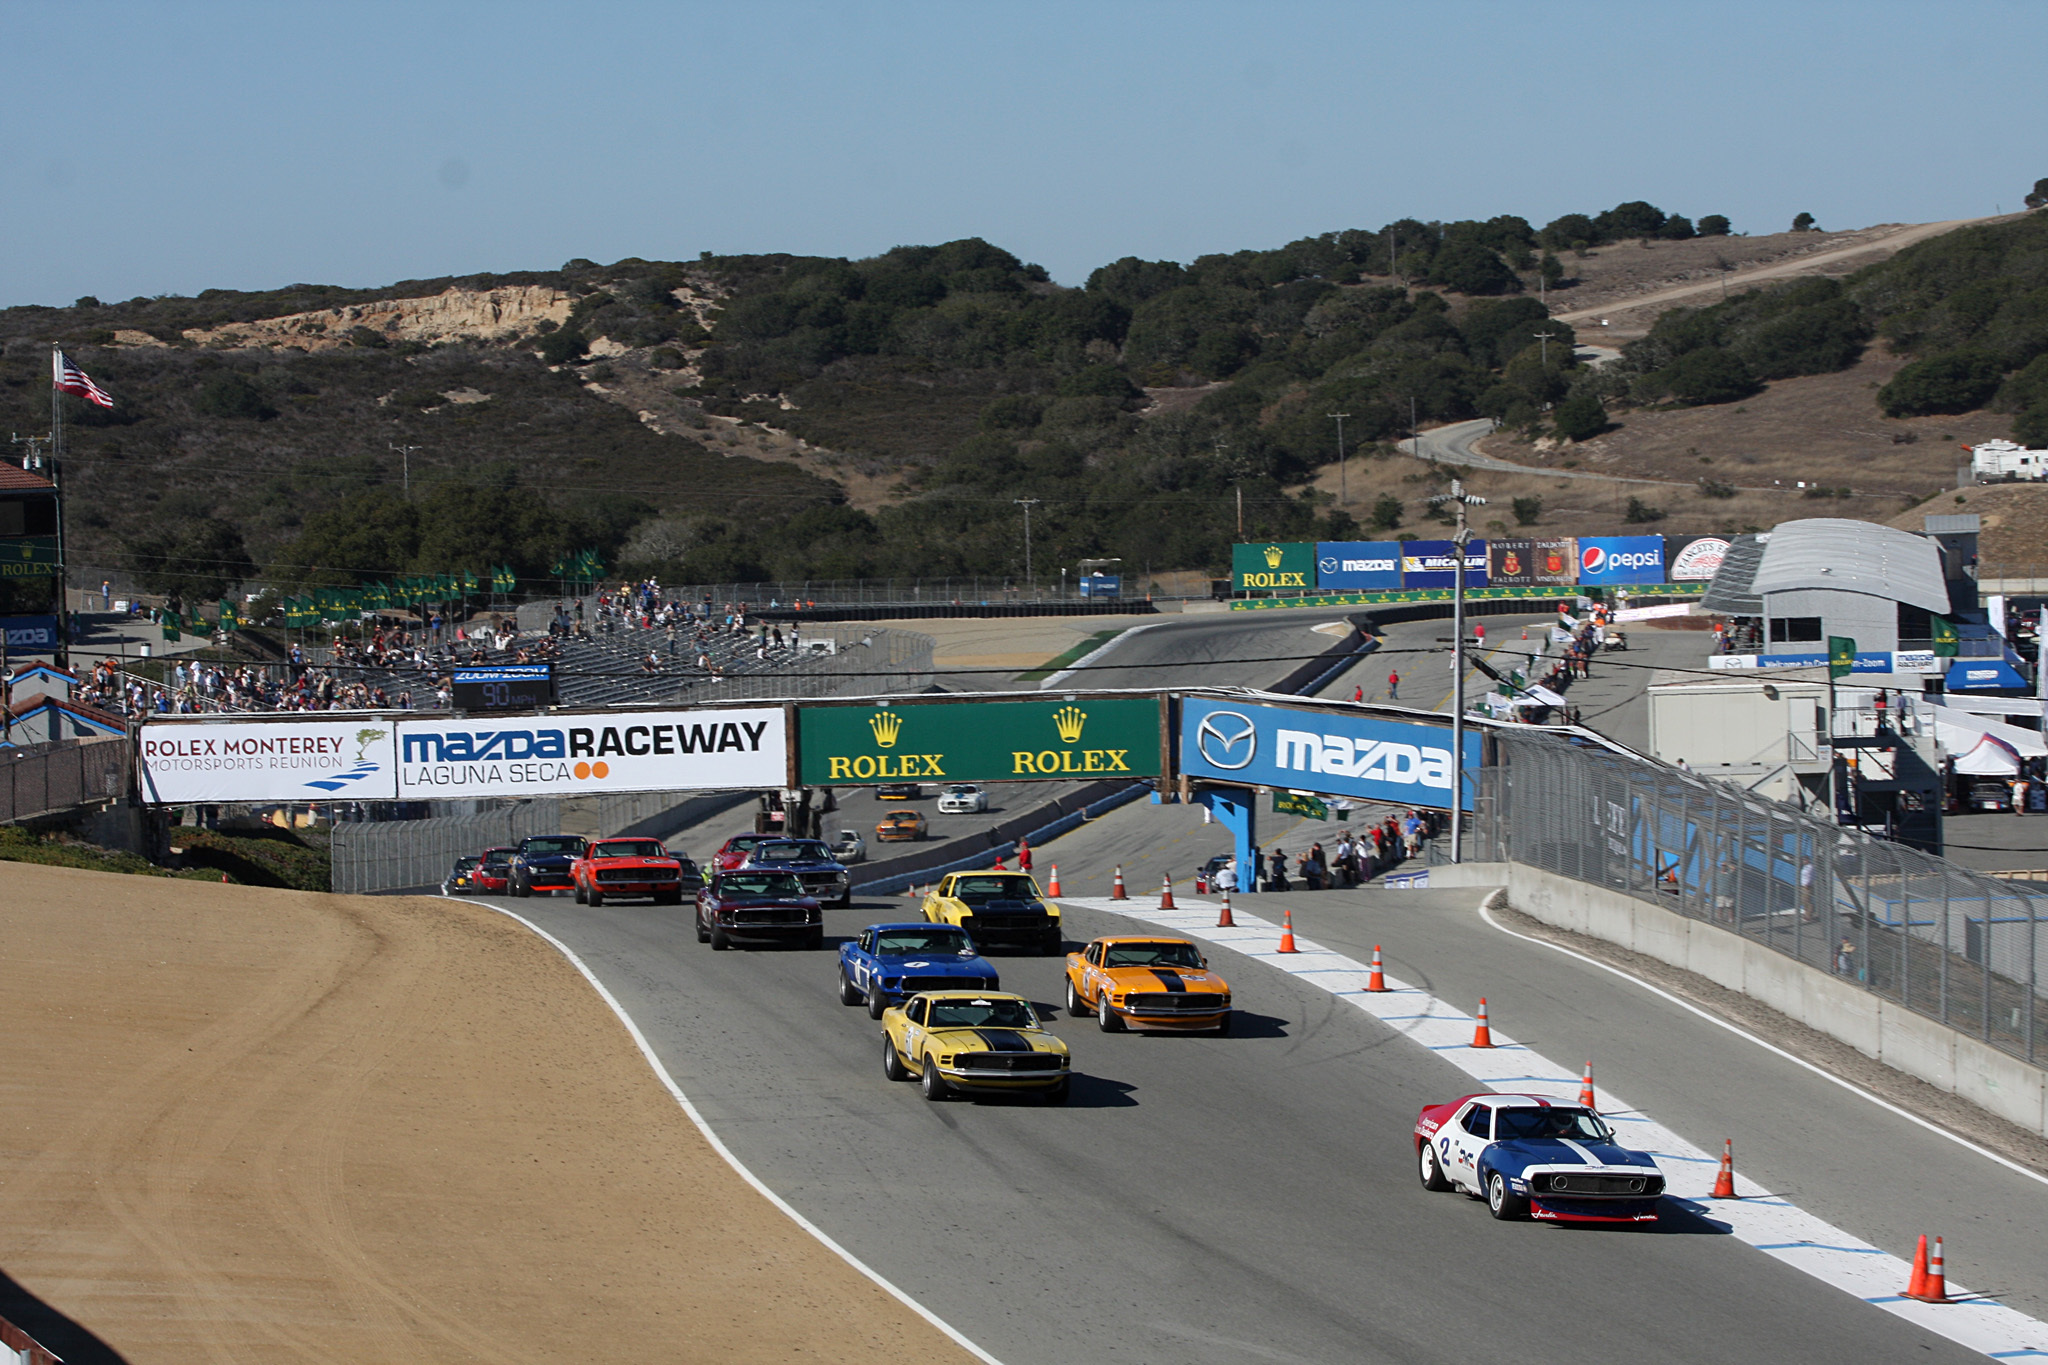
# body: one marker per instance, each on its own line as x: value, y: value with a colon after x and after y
x: 733, y: 852
x: 1531, y: 1157
x: 613, y: 868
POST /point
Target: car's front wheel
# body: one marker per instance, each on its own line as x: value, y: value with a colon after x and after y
x: 1502, y: 1202
x: 1058, y: 1094
x: 814, y: 940
x: 848, y: 995
x: 577, y: 894
x: 877, y: 1002
x: 1051, y: 945
x: 1223, y: 1027
x: 1432, y: 1174
x: 719, y: 942
x: 844, y: 901
x: 595, y: 899
x: 1106, y: 1017
x: 703, y: 934
x: 930, y: 1081
x: 520, y: 891
x: 1076, y: 1006
x: 892, y: 1064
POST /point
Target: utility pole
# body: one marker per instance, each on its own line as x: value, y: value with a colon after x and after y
x: 405, y: 465
x: 1460, y: 499
x: 1414, y: 430
x: 1544, y: 339
x: 1027, y: 504
x: 1343, y: 473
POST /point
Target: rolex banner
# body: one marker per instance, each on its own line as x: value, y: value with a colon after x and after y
x: 978, y: 741
x: 1287, y: 566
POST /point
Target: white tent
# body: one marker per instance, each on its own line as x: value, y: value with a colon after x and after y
x: 1992, y: 757
x: 1984, y: 747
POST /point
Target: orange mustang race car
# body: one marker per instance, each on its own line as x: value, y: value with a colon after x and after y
x: 1147, y: 983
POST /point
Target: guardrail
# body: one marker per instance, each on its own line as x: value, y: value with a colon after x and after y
x: 50, y: 779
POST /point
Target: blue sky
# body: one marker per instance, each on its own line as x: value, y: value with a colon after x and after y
x: 168, y: 148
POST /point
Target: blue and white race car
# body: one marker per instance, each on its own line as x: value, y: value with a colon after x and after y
x: 886, y: 963
x: 1531, y: 1157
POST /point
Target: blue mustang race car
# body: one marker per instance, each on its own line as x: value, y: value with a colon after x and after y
x: 886, y: 963
x: 1530, y: 1157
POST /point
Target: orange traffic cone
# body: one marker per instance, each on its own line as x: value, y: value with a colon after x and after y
x: 1166, y: 893
x: 1930, y: 1277
x: 1116, y: 887
x: 1586, y: 1089
x: 1053, y: 888
x: 1724, y: 1183
x: 1287, y: 932
x: 1482, y: 1036
x: 1525, y: 632
x: 1224, y: 921
x: 1378, y: 980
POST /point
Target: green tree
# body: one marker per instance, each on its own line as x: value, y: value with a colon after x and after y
x: 1803, y: 223
x: 228, y: 394
x: 204, y: 559
x: 1386, y: 512
x: 1714, y: 225
x: 1527, y: 510
x: 1954, y: 381
x: 563, y: 345
x: 1639, y: 512
x: 2038, y: 196
x: 1677, y: 228
x: 1472, y: 268
x: 1708, y: 375
x: 1580, y: 417
x: 1551, y: 269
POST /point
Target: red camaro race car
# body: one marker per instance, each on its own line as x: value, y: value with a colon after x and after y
x: 612, y: 868
x: 735, y: 850
x: 493, y: 876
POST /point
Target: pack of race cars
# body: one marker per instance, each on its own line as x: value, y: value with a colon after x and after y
x: 947, y: 1024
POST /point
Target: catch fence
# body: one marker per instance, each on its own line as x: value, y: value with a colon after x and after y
x: 50, y: 779
x: 1955, y: 945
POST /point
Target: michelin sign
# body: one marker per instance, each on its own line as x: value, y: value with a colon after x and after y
x: 1317, y: 751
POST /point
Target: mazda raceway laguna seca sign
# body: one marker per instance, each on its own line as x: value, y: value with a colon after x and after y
x: 1324, y: 752
x: 379, y: 758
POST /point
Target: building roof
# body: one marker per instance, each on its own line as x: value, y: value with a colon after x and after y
x: 1730, y: 593
x: 15, y: 479
x: 1839, y: 555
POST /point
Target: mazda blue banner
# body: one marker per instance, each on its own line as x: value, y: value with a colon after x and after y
x: 1611, y: 560
x: 30, y: 634
x: 1326, y: 752
x: 1358, y: 565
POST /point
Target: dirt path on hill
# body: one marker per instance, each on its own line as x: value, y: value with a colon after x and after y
x: 240, y: 1125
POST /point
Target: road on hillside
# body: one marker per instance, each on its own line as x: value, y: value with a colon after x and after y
x: 1253, y: 1197
x: 1452, y: 445
x: 1891, y: 243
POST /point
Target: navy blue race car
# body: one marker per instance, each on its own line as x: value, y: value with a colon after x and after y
x: 542, y: 861
x: 886, y: 963
x: 1531, y: 1157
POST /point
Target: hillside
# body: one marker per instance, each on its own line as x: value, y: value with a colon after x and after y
x: 745, y: 417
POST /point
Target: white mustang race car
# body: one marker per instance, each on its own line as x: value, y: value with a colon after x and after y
x: 1530, y: 1157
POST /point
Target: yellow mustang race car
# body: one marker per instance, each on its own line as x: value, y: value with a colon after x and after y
x: 972, y: 1041
x: 997, y: 909
x: 1147, y: 983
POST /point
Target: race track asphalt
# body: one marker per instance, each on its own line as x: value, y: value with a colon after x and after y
x: 1253, y: 1198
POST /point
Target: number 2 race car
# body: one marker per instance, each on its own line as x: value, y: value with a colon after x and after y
x: 1147, y: 983
x: 999, y: 909
x: 1530, y: 1157
x: 972, y: 1041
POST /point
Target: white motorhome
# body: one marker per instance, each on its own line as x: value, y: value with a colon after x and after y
x: 1999, y: 460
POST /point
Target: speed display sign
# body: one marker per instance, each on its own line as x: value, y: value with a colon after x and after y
x: 508, y: 687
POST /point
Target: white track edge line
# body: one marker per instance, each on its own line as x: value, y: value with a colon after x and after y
x: 1486, y: 913
x: 717, y: 1145
x: 1096, y: 653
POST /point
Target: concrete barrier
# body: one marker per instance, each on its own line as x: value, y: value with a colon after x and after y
x: 25, y: 1348
x: 1841, y: 1009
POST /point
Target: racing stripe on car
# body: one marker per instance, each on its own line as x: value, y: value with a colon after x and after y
x: 1579, y: 1150
x: 1004, y: 1040
x: 1170, y: 980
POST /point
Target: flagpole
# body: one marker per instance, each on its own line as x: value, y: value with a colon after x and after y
x: 57, y: 479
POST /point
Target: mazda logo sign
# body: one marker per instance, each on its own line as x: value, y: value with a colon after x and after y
x: 1227, y: 740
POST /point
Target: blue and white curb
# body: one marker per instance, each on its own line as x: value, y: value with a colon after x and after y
x: 1772, y: 1225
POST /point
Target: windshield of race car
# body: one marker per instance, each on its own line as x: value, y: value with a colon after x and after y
x: 937, y: 939
x: 467, y: 861
x: 497, y: 857
x: 629, y: 848
x: 793, y: 851
x: 1577, y: 1124
x: 760, y: 884
x: 563, y: 844
x: 972, y: 889
x: 982, y: 1014
x: 1151, y: 955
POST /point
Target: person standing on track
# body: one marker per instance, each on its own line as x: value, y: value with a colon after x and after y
x: 1023, y: 855
x: 1393, y: 685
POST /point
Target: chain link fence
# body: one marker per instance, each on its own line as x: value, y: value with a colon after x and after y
x: 48, y: 779
x: 1948, y: 943
x: 390, y: 855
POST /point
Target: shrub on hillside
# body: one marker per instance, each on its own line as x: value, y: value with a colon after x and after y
x: 230, y: 395
x: 562, y: 346
x: 1580, y: 417
x: 1954, y: 381
x: 1708, y: 375
x: 1714, y: 225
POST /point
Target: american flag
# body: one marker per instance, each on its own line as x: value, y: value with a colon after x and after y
x: 68, y: 378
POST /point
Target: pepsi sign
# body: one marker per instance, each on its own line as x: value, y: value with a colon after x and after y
x: 1620, y: 559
